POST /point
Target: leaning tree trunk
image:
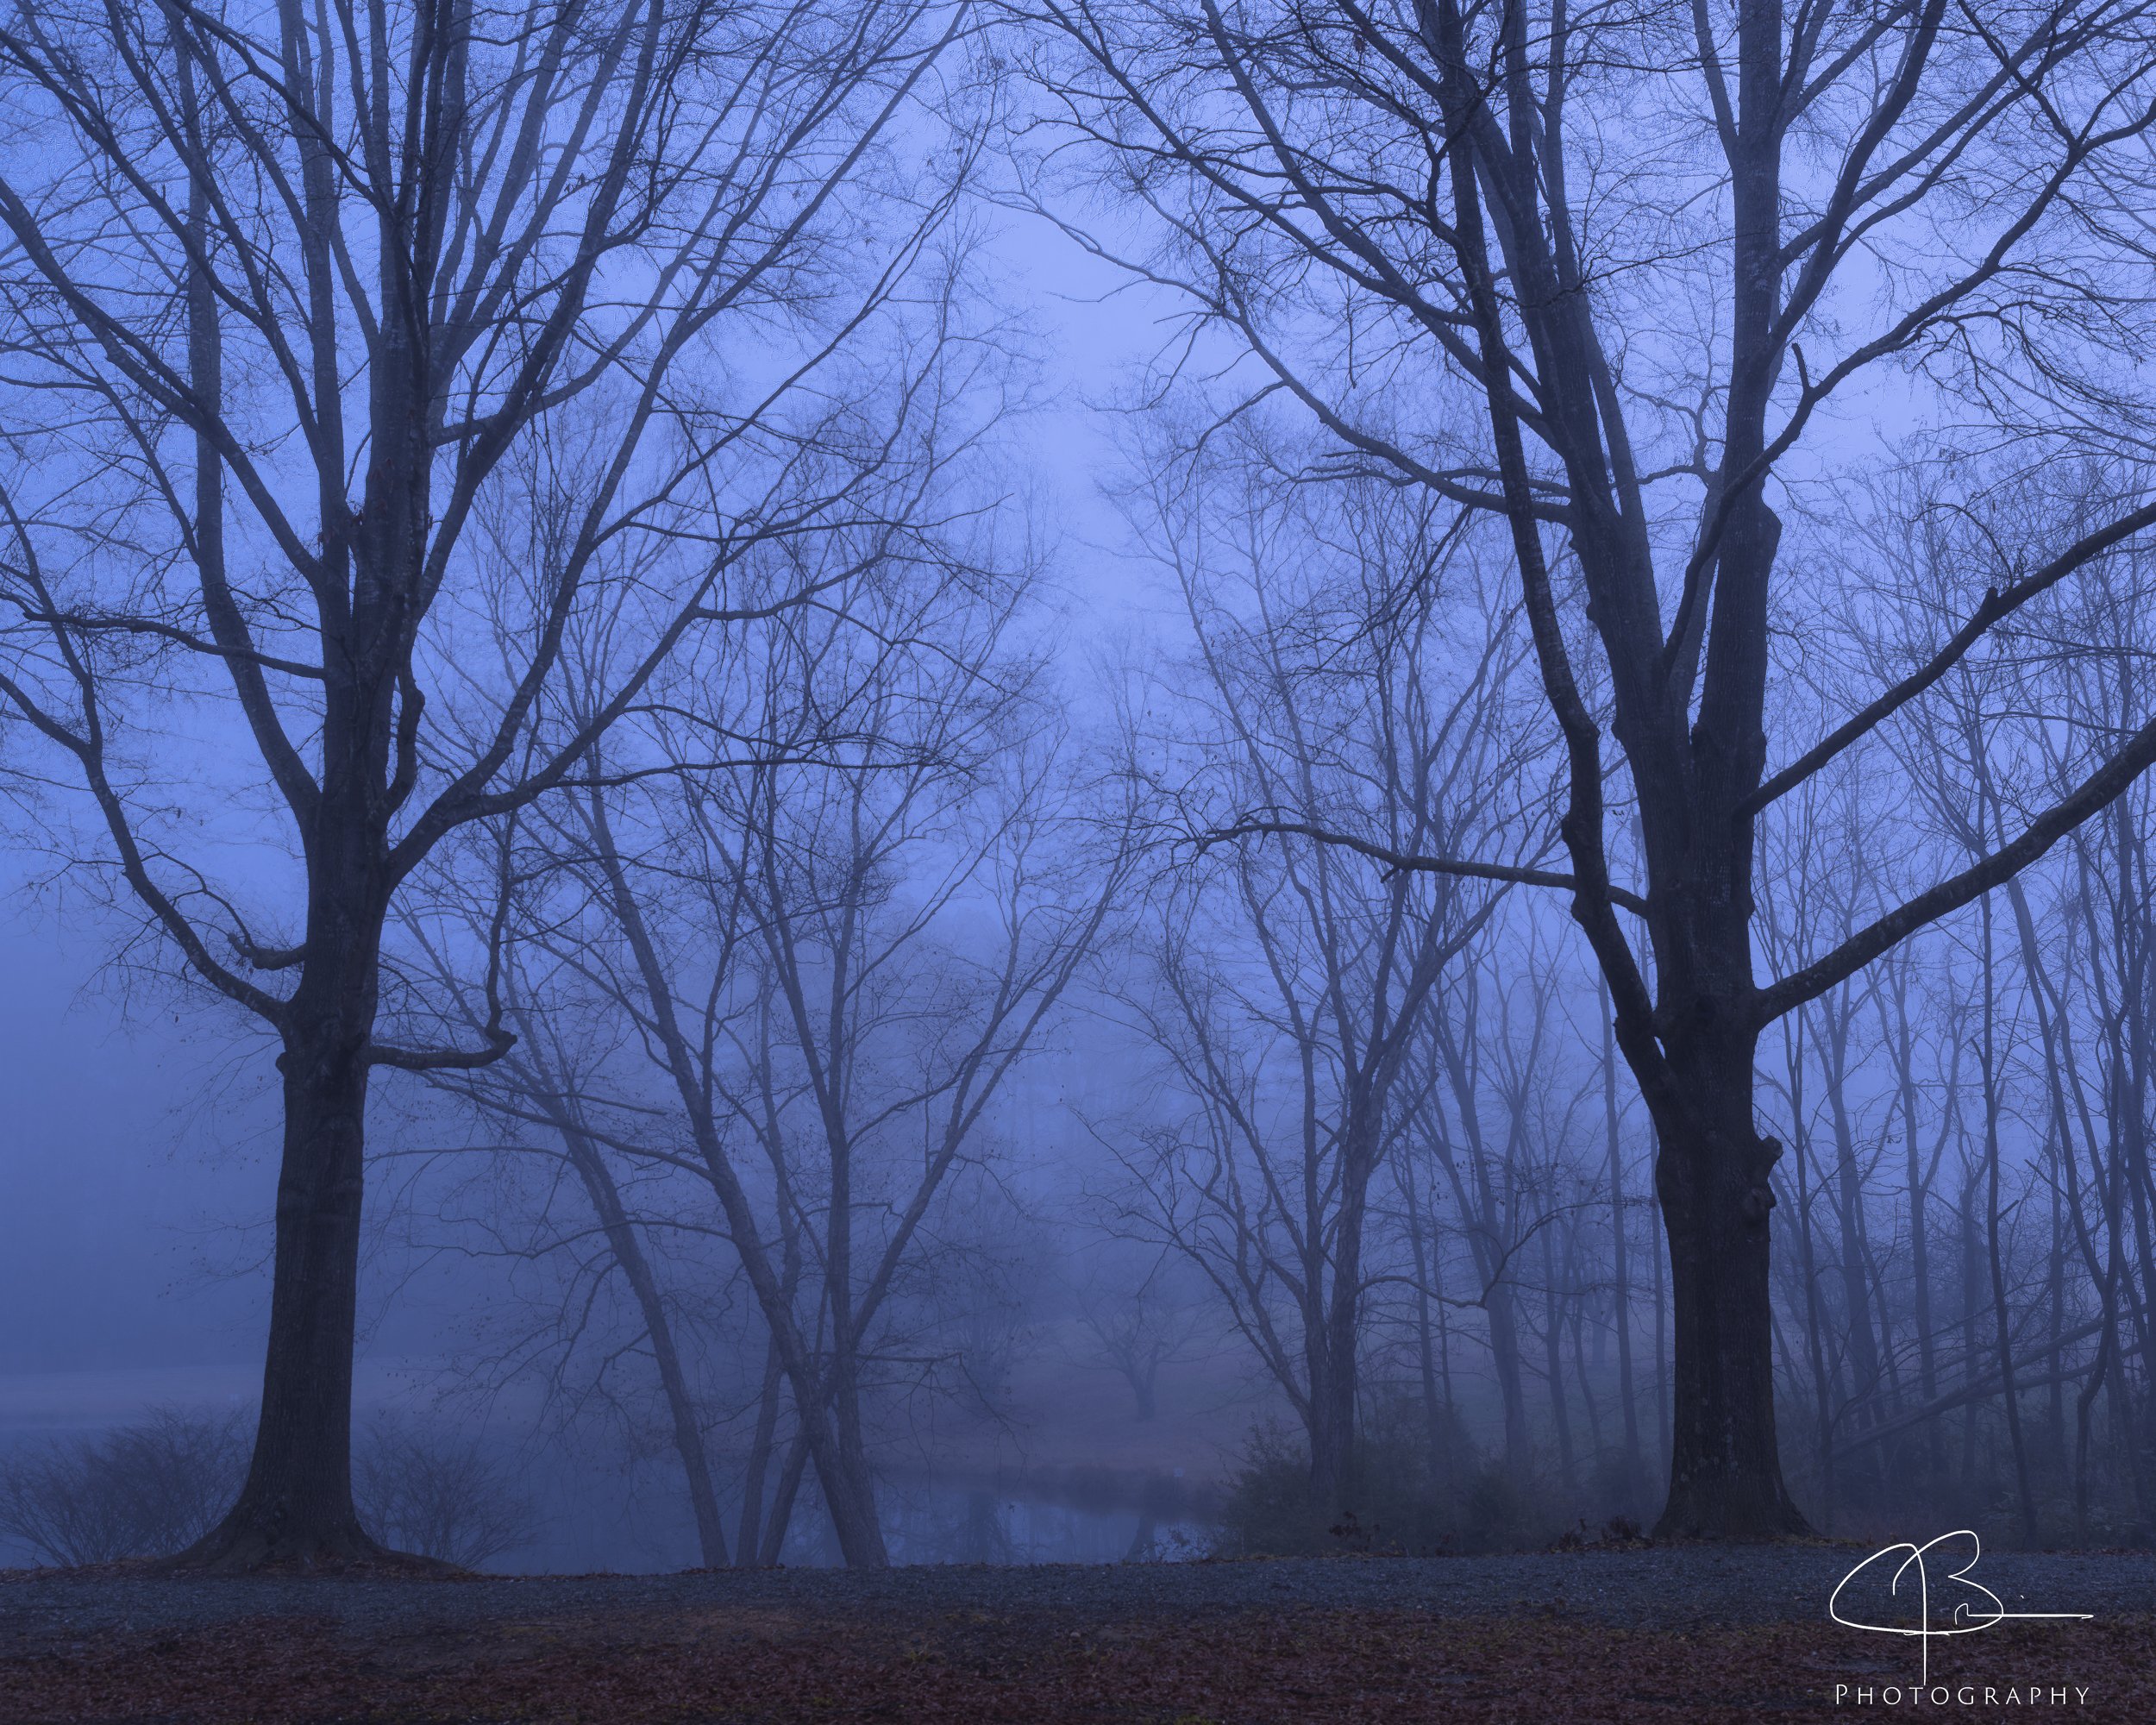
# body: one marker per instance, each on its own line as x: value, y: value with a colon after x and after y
x: 848, y: 1482
x: 628, y: 1257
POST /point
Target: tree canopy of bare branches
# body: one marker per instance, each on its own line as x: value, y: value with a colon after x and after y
x: 366, y: 364
x: 1610, y: 281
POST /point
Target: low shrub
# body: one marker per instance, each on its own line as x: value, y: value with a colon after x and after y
x: 1412, y: 1491
x: 156, y: 1487
x: 152, y: 1487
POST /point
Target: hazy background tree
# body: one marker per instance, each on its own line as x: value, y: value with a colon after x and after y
x: 1398, y: 214
x: 299, y: 303
x: 1344, y: 673
x: 802, y: 978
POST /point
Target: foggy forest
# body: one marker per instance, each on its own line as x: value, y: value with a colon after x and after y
x: 1073, y: 780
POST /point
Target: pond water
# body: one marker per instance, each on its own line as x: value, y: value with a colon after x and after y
x: 588, y: 1518
x: 945, y: 1523
x: 605, y: 1523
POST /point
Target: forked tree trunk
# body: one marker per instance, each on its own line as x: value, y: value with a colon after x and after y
x: 782, y: 1499
x: 749, y: 1546
x: 849, y: 1494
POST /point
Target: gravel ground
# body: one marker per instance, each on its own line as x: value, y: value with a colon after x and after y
x: 1666, y: 1587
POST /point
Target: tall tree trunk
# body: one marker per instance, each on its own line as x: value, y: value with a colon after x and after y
x: 1665, y: 1437
x: 673, y: 1382
x: 1553, y: 1368
x: 842, y: 1464
x: 2002, y: 1317
x: 748, y: 1542
x: 1424, y: 1252
x: 295, y: 1506
x: 1903, y: 1040
x: 1620, y: 1279
x: 2055, y: 1310
x: 1808, y: 1268
x: 1691, y: 1047
x: 1487, y: 1224
x: 1512, y: 1393
x: 1866, y: 1370
x: 1329, y: 1360
x: 1334, y: 1384
x: 2138, y: 936
x: 842, y: 1470
x: 1972, y: 1305
x: 782, y: 1499
x: 1578, y: 1324
x: 1712, y: 1175
x: 1332, y: 1441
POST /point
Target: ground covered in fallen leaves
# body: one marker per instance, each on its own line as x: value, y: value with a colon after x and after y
x: 712, y: 1657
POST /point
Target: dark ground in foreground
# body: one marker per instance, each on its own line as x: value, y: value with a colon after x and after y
x: 1691, y: 1634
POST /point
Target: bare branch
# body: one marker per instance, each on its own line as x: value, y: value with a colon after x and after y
x: 2094, y: 793
x: 1999, y: 603
x: 1397, y: 862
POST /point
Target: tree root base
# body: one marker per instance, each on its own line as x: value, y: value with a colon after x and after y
x: 239, y: 1546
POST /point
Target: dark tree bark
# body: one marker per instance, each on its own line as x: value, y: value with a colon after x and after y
x: 1416, y: 168
x: 1621, y: 1258
x: 421, y: 253
x: 295, y: 1506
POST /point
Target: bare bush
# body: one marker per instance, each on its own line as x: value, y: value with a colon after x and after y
x: 149, y: 1487
x: 437, y: 1491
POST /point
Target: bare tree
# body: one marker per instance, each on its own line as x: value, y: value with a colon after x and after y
x: 1403, y: 214
x: 1139, y: 1320
x: 1329, y: 683
x: 1492, y: 1185
x: 832, y: 954
x: 298, y: 301
x: 591, y: 1224
x: 441, y: 1492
